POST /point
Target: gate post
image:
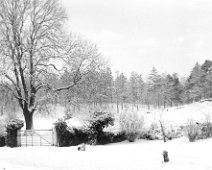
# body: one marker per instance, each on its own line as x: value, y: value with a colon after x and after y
x: 55, y: 141
x: 19, y: 138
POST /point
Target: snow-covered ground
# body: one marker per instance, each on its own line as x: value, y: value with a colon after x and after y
x: 175, y: 115
x: 181, y: 114
x: 196, y: 111
x: 141, y: 155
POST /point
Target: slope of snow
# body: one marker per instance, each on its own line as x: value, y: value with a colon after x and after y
x: 180, y: 115
x: 196, y: 111
x: 141, y: 155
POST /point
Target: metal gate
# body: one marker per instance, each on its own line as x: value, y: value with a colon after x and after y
x: 39, y: 137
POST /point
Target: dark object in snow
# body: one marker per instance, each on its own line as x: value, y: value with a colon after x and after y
x: 165, y: 156
x: 81, y: 148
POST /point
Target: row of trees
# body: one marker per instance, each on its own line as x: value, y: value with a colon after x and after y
x: 100, y: 88
x: 157, y: 90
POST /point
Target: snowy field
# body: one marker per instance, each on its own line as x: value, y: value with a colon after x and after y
x: 175, y: 115
x: 141, y: 155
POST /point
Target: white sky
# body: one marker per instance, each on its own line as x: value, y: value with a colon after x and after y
x: 135, y: 35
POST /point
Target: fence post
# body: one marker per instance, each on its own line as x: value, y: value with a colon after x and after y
x: 55, y: 141
x: 19, y: 138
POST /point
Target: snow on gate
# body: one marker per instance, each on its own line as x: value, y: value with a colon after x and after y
x: 38, y: 137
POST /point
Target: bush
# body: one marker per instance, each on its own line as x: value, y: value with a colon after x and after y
x: 153, y: 133
x: 69, y: 136
x: 64, y: 136
x: 192, y: 130
x: 93, y: 134
x: 3, y: 133
x: 96, y: 123
x: 206, y: 130
x: 12, y: 128
x: 174, y: 133
x: 81, y: 135
x: 2, y: 141
x: 105, y: 138
x: 110, y: 137
x: 131, y: 125
x: 119, y: 137
x: 195, y: 130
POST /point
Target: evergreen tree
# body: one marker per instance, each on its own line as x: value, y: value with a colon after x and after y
x: 195, y: 84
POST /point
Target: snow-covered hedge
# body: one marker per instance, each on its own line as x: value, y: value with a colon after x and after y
x: 67, y: 136
x: 96, y: 124
x: 92, y: 132
x: 2, y: 132
x: 12, y: 131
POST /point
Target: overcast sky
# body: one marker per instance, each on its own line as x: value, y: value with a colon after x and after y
x: 135, y: 35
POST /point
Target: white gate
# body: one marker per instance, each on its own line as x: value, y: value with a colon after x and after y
x: 38, y: 137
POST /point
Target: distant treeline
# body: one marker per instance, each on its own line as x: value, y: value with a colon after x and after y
x: 157, y: 90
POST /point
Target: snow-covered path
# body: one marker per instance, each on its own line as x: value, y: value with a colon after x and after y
x: 141, y: 155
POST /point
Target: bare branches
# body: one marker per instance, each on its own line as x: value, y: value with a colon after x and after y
x: 37, y: 52
x: 30, y: 32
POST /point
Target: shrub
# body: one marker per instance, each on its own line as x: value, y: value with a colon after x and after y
x: 110, y: 137
x: 64, y: 136
x: 3, y: 133
x: 131, y: 125
x: 195, y: 130
x: 81, y: 135
x: 91, y: 134
x: 105, y: 138
x: 69, y: 136
x: 192, y: 130
x: 119, y: 137
x: 96, y: 123
x: 2, y: 141
x: 174, y: 133
x: 152, y: 133
x: 12, y: 128
x: 206, y: 130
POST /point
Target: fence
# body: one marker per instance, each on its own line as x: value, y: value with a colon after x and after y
x: 39, y: 137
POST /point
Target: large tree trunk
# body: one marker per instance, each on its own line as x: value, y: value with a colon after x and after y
x: 28, y: 116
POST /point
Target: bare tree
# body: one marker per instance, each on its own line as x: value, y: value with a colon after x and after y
x: 33, y: 47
